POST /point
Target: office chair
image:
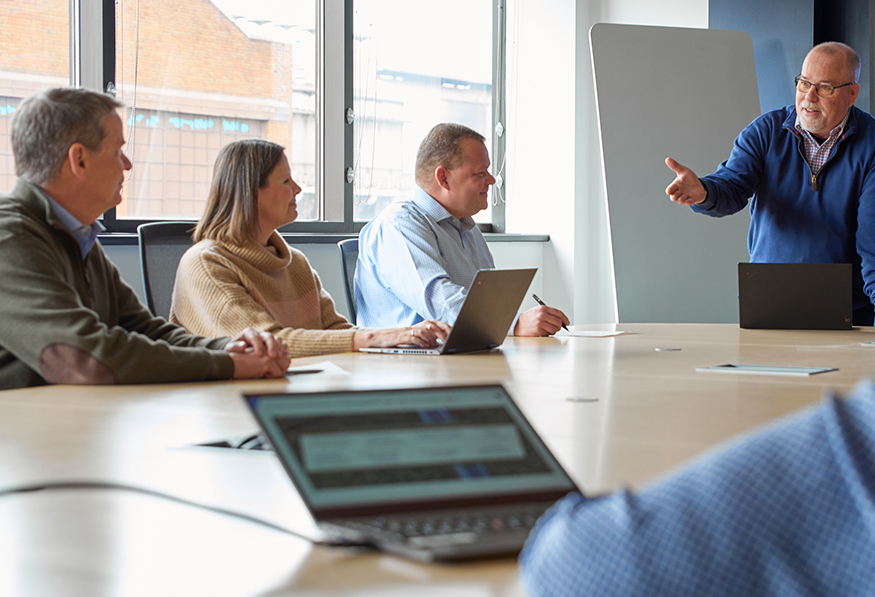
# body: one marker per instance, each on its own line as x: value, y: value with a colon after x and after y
x: 349, y: 252
x: 161, y: 247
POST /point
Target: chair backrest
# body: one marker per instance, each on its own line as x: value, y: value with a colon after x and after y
x: 162, y: 245
x: 349, y: 253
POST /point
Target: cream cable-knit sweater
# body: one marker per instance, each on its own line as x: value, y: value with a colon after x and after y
x: 223, y: 288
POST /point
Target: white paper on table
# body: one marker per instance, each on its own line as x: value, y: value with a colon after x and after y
x: 322, y: 368
x: 588, y: 333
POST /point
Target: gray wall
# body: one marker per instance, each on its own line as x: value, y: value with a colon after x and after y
x: 782, y: 33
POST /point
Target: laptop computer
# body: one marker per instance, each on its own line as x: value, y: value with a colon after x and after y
x: 804, y: 296
x: 485, y: 316
x: 442, y: 473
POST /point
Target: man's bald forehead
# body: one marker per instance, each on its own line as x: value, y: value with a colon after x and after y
x: 841, y: 51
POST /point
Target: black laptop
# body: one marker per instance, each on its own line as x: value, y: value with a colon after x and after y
x: 805, y: 296
x: 485, y: 317
x: 443, y: 473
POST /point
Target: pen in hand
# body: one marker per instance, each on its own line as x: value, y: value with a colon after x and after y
x: 540, y: 302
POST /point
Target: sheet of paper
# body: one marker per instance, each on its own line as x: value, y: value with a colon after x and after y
x: 588, y: 333
x: 323, y: 368
x: 766, y: 369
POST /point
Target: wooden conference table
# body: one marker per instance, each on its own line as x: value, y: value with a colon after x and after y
x: 615, y: 410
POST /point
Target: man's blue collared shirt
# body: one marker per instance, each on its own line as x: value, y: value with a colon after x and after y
x: 787, y: 510
x: 85, y: 235
x: 416, y: 261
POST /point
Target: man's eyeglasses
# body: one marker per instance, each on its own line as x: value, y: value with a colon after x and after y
x: 802, y: 86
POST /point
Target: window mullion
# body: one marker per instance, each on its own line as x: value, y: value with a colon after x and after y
x: 335, y: 97
x: 92, y: 43
x: 499, y: 123
x: 92, y: 54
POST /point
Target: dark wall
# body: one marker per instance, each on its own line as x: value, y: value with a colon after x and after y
x: 846, y: 21
x: 782, y: 32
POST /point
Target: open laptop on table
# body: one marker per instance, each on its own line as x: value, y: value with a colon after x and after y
x: 429, y: 473
x: 485, y: 316
x: 805, y: 296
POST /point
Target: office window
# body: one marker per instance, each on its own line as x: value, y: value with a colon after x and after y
x: 26, y: 66
x: 417, y: 63
x: 198, y: 74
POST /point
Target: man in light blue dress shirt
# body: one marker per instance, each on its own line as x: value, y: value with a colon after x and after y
x: 419, y: 256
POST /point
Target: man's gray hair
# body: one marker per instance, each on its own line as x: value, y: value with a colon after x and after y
x: 441, y: 148
x: 833, y: 48
x: 49, y: 122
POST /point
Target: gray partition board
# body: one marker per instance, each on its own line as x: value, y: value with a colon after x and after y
x: 686, y: 94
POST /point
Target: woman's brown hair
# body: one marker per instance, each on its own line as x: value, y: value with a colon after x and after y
x: 241, y: 168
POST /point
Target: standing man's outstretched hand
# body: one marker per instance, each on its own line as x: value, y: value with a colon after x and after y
x: 686, y: 188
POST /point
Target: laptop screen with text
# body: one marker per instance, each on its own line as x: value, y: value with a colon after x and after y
x: 348, y: 449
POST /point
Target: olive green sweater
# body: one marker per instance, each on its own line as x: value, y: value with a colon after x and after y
x: 222, y: 288
x: 65, y: 319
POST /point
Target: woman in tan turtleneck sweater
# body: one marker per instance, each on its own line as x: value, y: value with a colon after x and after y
x: 240, y: 273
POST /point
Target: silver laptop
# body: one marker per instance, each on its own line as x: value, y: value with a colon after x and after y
x: 429, y: 473
x: 485, y: 316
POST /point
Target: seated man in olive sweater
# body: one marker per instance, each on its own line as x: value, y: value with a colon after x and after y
x: 66, y: 316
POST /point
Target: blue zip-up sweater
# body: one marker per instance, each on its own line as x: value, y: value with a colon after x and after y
x: 796, y: 218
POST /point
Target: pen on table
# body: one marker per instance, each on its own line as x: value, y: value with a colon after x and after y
x: 540, y: 302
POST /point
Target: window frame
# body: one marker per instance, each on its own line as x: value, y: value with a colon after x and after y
x: 92, y: 59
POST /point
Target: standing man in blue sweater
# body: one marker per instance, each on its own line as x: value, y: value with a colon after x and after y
x: 809, y: 171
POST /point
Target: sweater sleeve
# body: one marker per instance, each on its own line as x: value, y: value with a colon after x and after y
x: 865, y: 238
x: 732, y: 185
x: 210, y: 297
x: 135, y: 317
x: 50, y: 328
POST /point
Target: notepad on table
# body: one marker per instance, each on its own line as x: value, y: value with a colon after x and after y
x: 766, y: 369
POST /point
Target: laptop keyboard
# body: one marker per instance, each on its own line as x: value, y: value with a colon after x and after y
x: 477, y: 522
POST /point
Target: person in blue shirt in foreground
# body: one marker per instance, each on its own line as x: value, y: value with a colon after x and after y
x: 418, y: 258
x: 809, y: 171
x: 788, y: 509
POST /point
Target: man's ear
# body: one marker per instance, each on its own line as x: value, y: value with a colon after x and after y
x: 854, y: 91
x: 77, y: 157
x: 441, y: 177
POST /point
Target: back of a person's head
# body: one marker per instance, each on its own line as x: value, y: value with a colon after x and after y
x: 48, y: 122
x: 242, y: 167
x: 442, y: 147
